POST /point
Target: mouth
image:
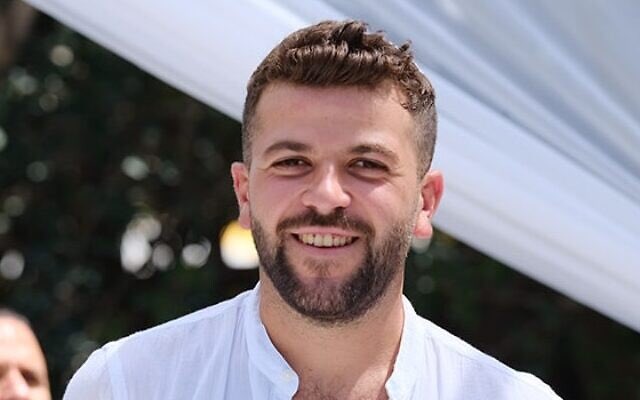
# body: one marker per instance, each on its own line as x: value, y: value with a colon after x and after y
x: 324, y: 240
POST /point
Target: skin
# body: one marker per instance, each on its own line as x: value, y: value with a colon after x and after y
x: 23, y: 370
x: 324, y: 149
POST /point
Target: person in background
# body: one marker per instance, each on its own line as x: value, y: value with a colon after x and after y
x: 23, y: 369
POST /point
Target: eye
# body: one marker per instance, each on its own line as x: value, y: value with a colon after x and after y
x: 369, y: 165
x: 366, y: 168
x: 291, y: 166
x: 290, y: 163
x: 30, y: 377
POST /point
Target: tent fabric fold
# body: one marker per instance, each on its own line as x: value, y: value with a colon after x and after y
x: 539, y: 129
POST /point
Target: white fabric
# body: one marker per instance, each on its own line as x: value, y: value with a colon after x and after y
x: 538, y: 101
x: 224, y: 352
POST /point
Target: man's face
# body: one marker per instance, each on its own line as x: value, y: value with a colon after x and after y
x: 23, y: 371
x: 333, y: 196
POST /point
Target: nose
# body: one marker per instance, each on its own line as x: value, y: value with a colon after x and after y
x: 325, y: 192
x: 13, y: 386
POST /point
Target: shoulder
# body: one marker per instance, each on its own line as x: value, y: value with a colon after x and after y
x: 217, y: 319
x: 151, y: 353
x: 478, y: 372
x: 91, y: 381
x: 211, y: 324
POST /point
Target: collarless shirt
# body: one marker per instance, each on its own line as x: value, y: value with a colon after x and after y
x: 224, y: 352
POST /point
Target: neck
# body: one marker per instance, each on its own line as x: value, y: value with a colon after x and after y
x: 336, y: 356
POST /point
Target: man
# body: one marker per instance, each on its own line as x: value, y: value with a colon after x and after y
x: 23, y: 370
x: 338, y: 134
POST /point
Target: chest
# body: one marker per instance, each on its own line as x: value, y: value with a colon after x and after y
x: 358, y: 392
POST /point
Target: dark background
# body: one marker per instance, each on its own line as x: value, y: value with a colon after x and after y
x: 67, y: 125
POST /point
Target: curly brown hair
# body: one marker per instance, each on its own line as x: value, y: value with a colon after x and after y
x: 333, y: 53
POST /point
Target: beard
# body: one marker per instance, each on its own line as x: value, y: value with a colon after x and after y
x: 324, y: 300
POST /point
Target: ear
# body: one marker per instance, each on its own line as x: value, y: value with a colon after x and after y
x: 240, y: 175
x: 431, y: 189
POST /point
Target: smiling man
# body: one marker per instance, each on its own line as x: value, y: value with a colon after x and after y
x: 339, y: 129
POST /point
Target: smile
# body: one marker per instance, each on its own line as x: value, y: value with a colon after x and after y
x: 324, y: 240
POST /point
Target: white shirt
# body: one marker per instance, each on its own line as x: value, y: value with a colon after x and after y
x: 224, y: 352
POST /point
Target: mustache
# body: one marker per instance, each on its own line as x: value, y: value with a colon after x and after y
x: 337, y: 218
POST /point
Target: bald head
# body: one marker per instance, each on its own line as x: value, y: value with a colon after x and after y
x: 23, y: 370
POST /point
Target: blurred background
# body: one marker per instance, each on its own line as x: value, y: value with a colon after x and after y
x: 115, y: 191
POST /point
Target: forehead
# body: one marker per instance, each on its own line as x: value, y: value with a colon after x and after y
x: 18, y: 344
x: 335, y: 114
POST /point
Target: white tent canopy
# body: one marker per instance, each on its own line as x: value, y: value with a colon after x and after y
x: 538, y: 101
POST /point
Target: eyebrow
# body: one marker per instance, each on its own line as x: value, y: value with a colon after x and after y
x: 360, y: 149
x: 375, y: 148
x: 287, y: 145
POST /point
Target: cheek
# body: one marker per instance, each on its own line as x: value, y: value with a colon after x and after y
x: 389, y: 205
x: 271, y: 199
x: 388, y: 198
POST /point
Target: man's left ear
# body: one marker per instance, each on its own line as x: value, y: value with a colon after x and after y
x: 431, y: 189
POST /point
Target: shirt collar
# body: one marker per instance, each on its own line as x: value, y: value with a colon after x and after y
x: 263, y: 354
x: 410, y: 359
x: 275, y: 368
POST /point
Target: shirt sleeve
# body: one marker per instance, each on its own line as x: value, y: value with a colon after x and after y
x: 536, y: 389
x: 92, y: 380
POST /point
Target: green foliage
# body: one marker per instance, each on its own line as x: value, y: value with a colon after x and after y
x: 92, y: 142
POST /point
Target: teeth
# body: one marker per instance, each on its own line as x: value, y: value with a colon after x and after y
x: 338, y: 241
x: 326, y: 240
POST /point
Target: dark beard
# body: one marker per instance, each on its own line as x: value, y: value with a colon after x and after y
x: 324, y: 301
